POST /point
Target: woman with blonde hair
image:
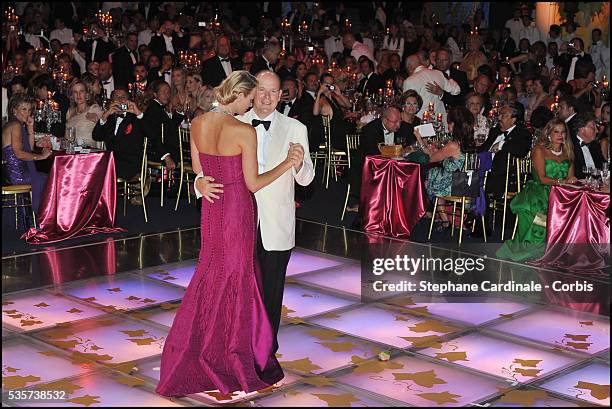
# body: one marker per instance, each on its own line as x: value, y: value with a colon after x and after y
x: 193, y: 85
x: 177, y: 89
x: 83, y: 114
x: 204, y: 100
x: 221, y: 338
x: 553, y: 164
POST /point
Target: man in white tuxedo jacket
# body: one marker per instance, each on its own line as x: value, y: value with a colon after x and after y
x: 275, y: 202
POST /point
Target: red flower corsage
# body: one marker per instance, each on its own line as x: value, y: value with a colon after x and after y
x: 128, y: 129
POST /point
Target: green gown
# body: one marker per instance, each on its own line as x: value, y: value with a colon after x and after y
x: 530, y: 239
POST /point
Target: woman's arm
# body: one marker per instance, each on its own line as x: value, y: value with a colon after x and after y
x: 203, y: 184
x: 254, y: 181
x: 605, y: 147
x: 449, y: 150
x: 316, y: 108
x: 15, y: 137
x: 341, y: 99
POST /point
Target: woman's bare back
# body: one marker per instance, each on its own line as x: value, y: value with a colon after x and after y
x: 218, y: 134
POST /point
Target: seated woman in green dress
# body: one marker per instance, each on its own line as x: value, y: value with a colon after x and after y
x: 460, y: 125
x: 552, y: 160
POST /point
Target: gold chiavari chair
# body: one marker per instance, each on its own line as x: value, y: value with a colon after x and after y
x: 136, y: 187
x: 471, y: 164
x: 335, y: 157
x: 521, y: 168
x: 185, y: 164
x: 14, y: 192
x: 161, y: 166
x: 352, y: 144
x: 524, y: 166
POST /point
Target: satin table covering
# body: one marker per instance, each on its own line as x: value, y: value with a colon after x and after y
x: 79, y: 199
x: 578, y: 216
x: 392, y: 196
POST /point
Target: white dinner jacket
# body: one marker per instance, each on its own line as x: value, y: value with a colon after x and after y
x: 276, y: 202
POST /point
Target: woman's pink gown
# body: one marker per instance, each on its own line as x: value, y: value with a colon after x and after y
x: 221, y: 338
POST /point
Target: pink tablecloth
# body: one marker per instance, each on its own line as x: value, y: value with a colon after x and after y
x: 392, y: 196
x: 578, y: 232
x: 79, y: 199
x: 578, y: 216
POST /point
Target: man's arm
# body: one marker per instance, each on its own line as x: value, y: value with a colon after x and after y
x: 519, y: 145
x: 306, y: 173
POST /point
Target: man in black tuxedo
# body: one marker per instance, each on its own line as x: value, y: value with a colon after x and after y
x: 587, y: 151
x: 371, y: 81
x: 157, y: 117
x: 396, y: 68
x: 384, y: 130
x: 164, y: 71
x: 576, y: 51
x: 507, y: 45
x: 43, y: 84
x: 149, y: 9
x: 97, y: 48
x: 292, y: 106
x: 169, y: 39
x: 216, y: 69
x: 121, y: 131
x: 124, y: 59
x: 268, y: 58
x: 511, y: 137
x: 568, y: 111
x: 307, y: 100
x: 443, y: 63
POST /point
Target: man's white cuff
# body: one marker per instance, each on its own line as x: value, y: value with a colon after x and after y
x: 195, y: 189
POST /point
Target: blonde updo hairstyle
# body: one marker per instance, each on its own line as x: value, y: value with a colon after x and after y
x: 238, y: 82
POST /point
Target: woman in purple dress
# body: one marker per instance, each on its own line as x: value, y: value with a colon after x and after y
x: 17, y: 143
x: 221, y: 338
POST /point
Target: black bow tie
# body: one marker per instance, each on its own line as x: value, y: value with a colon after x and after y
x: 257, y: 122
x: 337, y: 39
x: 224, y: 59
x: 289, y: 104
x: 105, y: 82
x: 582, y: 143
x: 167, y: 72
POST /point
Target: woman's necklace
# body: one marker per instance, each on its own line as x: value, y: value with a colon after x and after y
x: 556, y: 153
x: 217, y: 109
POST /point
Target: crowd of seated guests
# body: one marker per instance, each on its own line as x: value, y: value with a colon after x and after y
x: 507, y: 82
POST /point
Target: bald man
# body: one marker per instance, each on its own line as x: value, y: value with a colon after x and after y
x: 427, y: 84
x: 276, y: 132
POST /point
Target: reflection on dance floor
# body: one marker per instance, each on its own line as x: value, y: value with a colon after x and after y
x: 100, y: 339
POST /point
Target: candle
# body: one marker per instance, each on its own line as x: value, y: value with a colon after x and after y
x: 426, y: 116
x: 440, y: 117
x: 431, y: 106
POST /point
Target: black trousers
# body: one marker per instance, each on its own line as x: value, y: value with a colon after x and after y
x: 274, y: 268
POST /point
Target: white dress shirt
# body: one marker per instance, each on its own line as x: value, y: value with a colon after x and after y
x: 333, y: 45
x: 389, y: 136
x: 119, y: 120
x: 168, y: 41
x: 227, y: 66
x: 109, y: 86
x: 288, y: 107
x: 501, y: 138
x: 588, y: 158
x: 514, y: 25
x: 570, y: 75
x: 531, y: 33
x: 144, y: 37
x: 569, y: 118
x: 263, y: 138
x: 64, y: 35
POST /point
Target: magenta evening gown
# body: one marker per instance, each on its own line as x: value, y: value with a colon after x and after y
x: 221, y: 338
